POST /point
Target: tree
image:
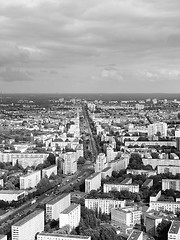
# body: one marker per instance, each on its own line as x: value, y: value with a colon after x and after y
x: 162, y: 229
x: 51, y: 159
x: 135, y: 161
x: 81, y: 160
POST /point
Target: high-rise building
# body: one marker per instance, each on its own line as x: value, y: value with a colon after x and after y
x: 101, y: 162
x: 70, y: 216
x: 26, y: 228
x: 69, y: 163
x: 30, y: 180
x: 93, y: 182
x: 57, y: 205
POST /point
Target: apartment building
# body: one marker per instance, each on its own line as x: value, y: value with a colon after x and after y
x: 101, y: 162
x: 159, y: 127
x: 151, y: 223
x: 147, y: 173
x: 69, y: 163
x: 171, y: 184
x: 174, y: 231
x: 105, y: 205
x: 56, y: 236
x: 168, y: 169
x: 136, y: 235
x: 93, y: 182
x: 49, y: 170
x: 28, y: 227
x: 57, y: 205
x: 127, y: 216
x: 161, y: 162
x: 120, y: 187
x: 169, y: 206
x: 30, y: 180
x: 118, y: 164
x: 11, y: 195
x: 70, y: 216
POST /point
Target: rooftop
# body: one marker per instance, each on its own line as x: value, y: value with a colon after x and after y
x: 93, y: 176
x: 2, y: 236
x: 11, y: 191
x: 126, y: 180
x: 63, y: 235
x: 70, y: 208
x: 135, y: 235
x: 28, y: 218
x: 175, y: 226
x: 31, y: 173
x: 58, y: 198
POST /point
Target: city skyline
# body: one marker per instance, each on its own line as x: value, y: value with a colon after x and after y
x: 102, y: 46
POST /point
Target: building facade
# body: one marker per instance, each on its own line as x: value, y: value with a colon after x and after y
x: 101, y: 162
x: 28, y: 227
x: 49, y: 170
x: 70, y: 216
x: 120, y: 187
x: 57, y: 205
x: 171, y: 184
x: 93, y: 182
x: 104, y: 205
x: 30, y: 180
x: 56, y: 236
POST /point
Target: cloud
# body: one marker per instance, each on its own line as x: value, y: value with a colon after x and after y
x: 14, y: 75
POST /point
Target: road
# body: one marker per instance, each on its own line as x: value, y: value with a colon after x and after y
x: 92, y: 144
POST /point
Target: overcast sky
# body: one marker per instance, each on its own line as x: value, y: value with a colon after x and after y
x: 95, y: 46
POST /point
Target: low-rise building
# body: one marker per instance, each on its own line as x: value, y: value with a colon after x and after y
x: 174, y: 231
x: 30, y: 180
x: 57, y: 205
x: 29, y: 226
x: 127, y: 216
x: 93, y: 182
x: 49, y: 170
x: 70, y: 216
x: 56, y: 236
x: 120, y: 187
x: 104, y: 204
x: 11, y: 195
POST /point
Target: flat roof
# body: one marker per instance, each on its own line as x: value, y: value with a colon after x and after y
x: 174, y: 229
x: 135, y: 235
x: 58, y: 198
x: 63, y: 235
x: 70, y: 208
x: 11, y: 191
x: 31, y: 173
x: 28, y: 218
x: 93, y: 176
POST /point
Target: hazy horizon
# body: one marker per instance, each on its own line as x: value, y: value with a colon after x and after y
x: 98, y: 46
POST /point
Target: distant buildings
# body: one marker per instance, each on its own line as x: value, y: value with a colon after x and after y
x: 93, y: 182
x: 30, y: 180
x: 28, y: 227
x: 104, y: 205
x: 57, y: 205
x: 70, y: 216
